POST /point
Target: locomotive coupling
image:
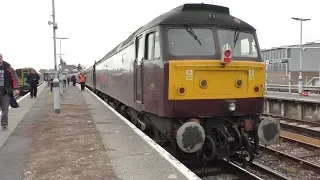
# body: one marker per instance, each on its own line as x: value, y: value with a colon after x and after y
x: 269, y: 131
x: 190, y: 137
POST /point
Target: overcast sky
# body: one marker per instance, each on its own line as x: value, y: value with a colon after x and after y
x: 94, y: 27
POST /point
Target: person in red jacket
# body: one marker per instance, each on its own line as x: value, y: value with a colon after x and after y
x: 9, y: 85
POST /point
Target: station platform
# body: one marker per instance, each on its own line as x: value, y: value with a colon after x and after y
x: 87, y: 140
x: 313, y: 98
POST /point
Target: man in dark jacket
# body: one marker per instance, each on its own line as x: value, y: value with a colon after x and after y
x: 73, y: 79
x: 9, y: 84
x: 33, y: 81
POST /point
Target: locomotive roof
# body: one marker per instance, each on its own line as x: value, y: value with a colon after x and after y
x: 192, y: 14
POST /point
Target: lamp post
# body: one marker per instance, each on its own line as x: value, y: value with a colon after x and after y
x: 60, y: 38
x: 300, y: 72
x: 56, y: 95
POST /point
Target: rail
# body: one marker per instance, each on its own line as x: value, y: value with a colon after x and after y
x: 302, y: 127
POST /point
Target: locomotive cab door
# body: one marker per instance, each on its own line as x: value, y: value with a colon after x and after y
x: 138, y: 69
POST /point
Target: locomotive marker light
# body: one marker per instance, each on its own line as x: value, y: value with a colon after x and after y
x: 181, y: 90
x: 232, y: 106
x: 269, y: 131
x: 226, y: 54
x: 190, y: 137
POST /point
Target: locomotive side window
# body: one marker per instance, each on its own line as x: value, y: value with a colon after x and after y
x: 150, y: 45
x: 156, y: 46
x: 182, y: 43
x: 139, y: 49
x: 153, y: 46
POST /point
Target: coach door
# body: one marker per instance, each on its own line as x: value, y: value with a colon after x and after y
x: 25, y: 76
x: 94, y: 76
x: 138, y: 70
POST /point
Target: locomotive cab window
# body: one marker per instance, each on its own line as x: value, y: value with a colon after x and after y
x: 243, y: 44
x: 191, y: 42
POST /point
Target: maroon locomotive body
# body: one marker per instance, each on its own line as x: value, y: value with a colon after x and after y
x: 140, y: 78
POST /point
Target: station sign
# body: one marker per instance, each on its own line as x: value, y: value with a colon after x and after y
x: 277, y: 61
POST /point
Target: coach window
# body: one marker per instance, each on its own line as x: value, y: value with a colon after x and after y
x: 124, y: 58
x: 150, y: 45
x: 156, y: 46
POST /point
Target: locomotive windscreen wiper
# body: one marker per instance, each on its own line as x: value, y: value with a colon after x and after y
x: 235, y: 37
x: 192, y: 33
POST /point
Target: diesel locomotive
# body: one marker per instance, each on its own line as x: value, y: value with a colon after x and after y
x: 22, y: 75
x: 192, y: 78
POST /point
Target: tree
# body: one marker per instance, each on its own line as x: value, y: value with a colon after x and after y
x: 79, y: 67
x: 62, y: 62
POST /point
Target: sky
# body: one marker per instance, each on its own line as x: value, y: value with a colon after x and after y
x: 94, y: 27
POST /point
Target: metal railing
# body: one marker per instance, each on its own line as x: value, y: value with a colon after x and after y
x: 275, y: 87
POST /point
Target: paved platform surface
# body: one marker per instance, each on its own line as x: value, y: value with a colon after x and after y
x: 15, y: 141
x: 17, y: 114
x: 130, y: 154
x: 43, y: 145
x: 293, y: 97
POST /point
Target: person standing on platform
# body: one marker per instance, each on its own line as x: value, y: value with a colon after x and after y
x: 51, y: 83
x: 33, y: 81
x: 82, y: 79
x: 9, y: 84
x: 73, y: 79
x: 64, y: 79
x: 68, y: 79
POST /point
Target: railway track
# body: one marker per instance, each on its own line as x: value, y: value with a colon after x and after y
x: 295, y: 157
x: 223, y: 170
x: 303, y: 127
x: 287, y: 163
x: 229, y: 170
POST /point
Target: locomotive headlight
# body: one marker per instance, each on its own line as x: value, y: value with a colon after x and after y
x: 232, y: 106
